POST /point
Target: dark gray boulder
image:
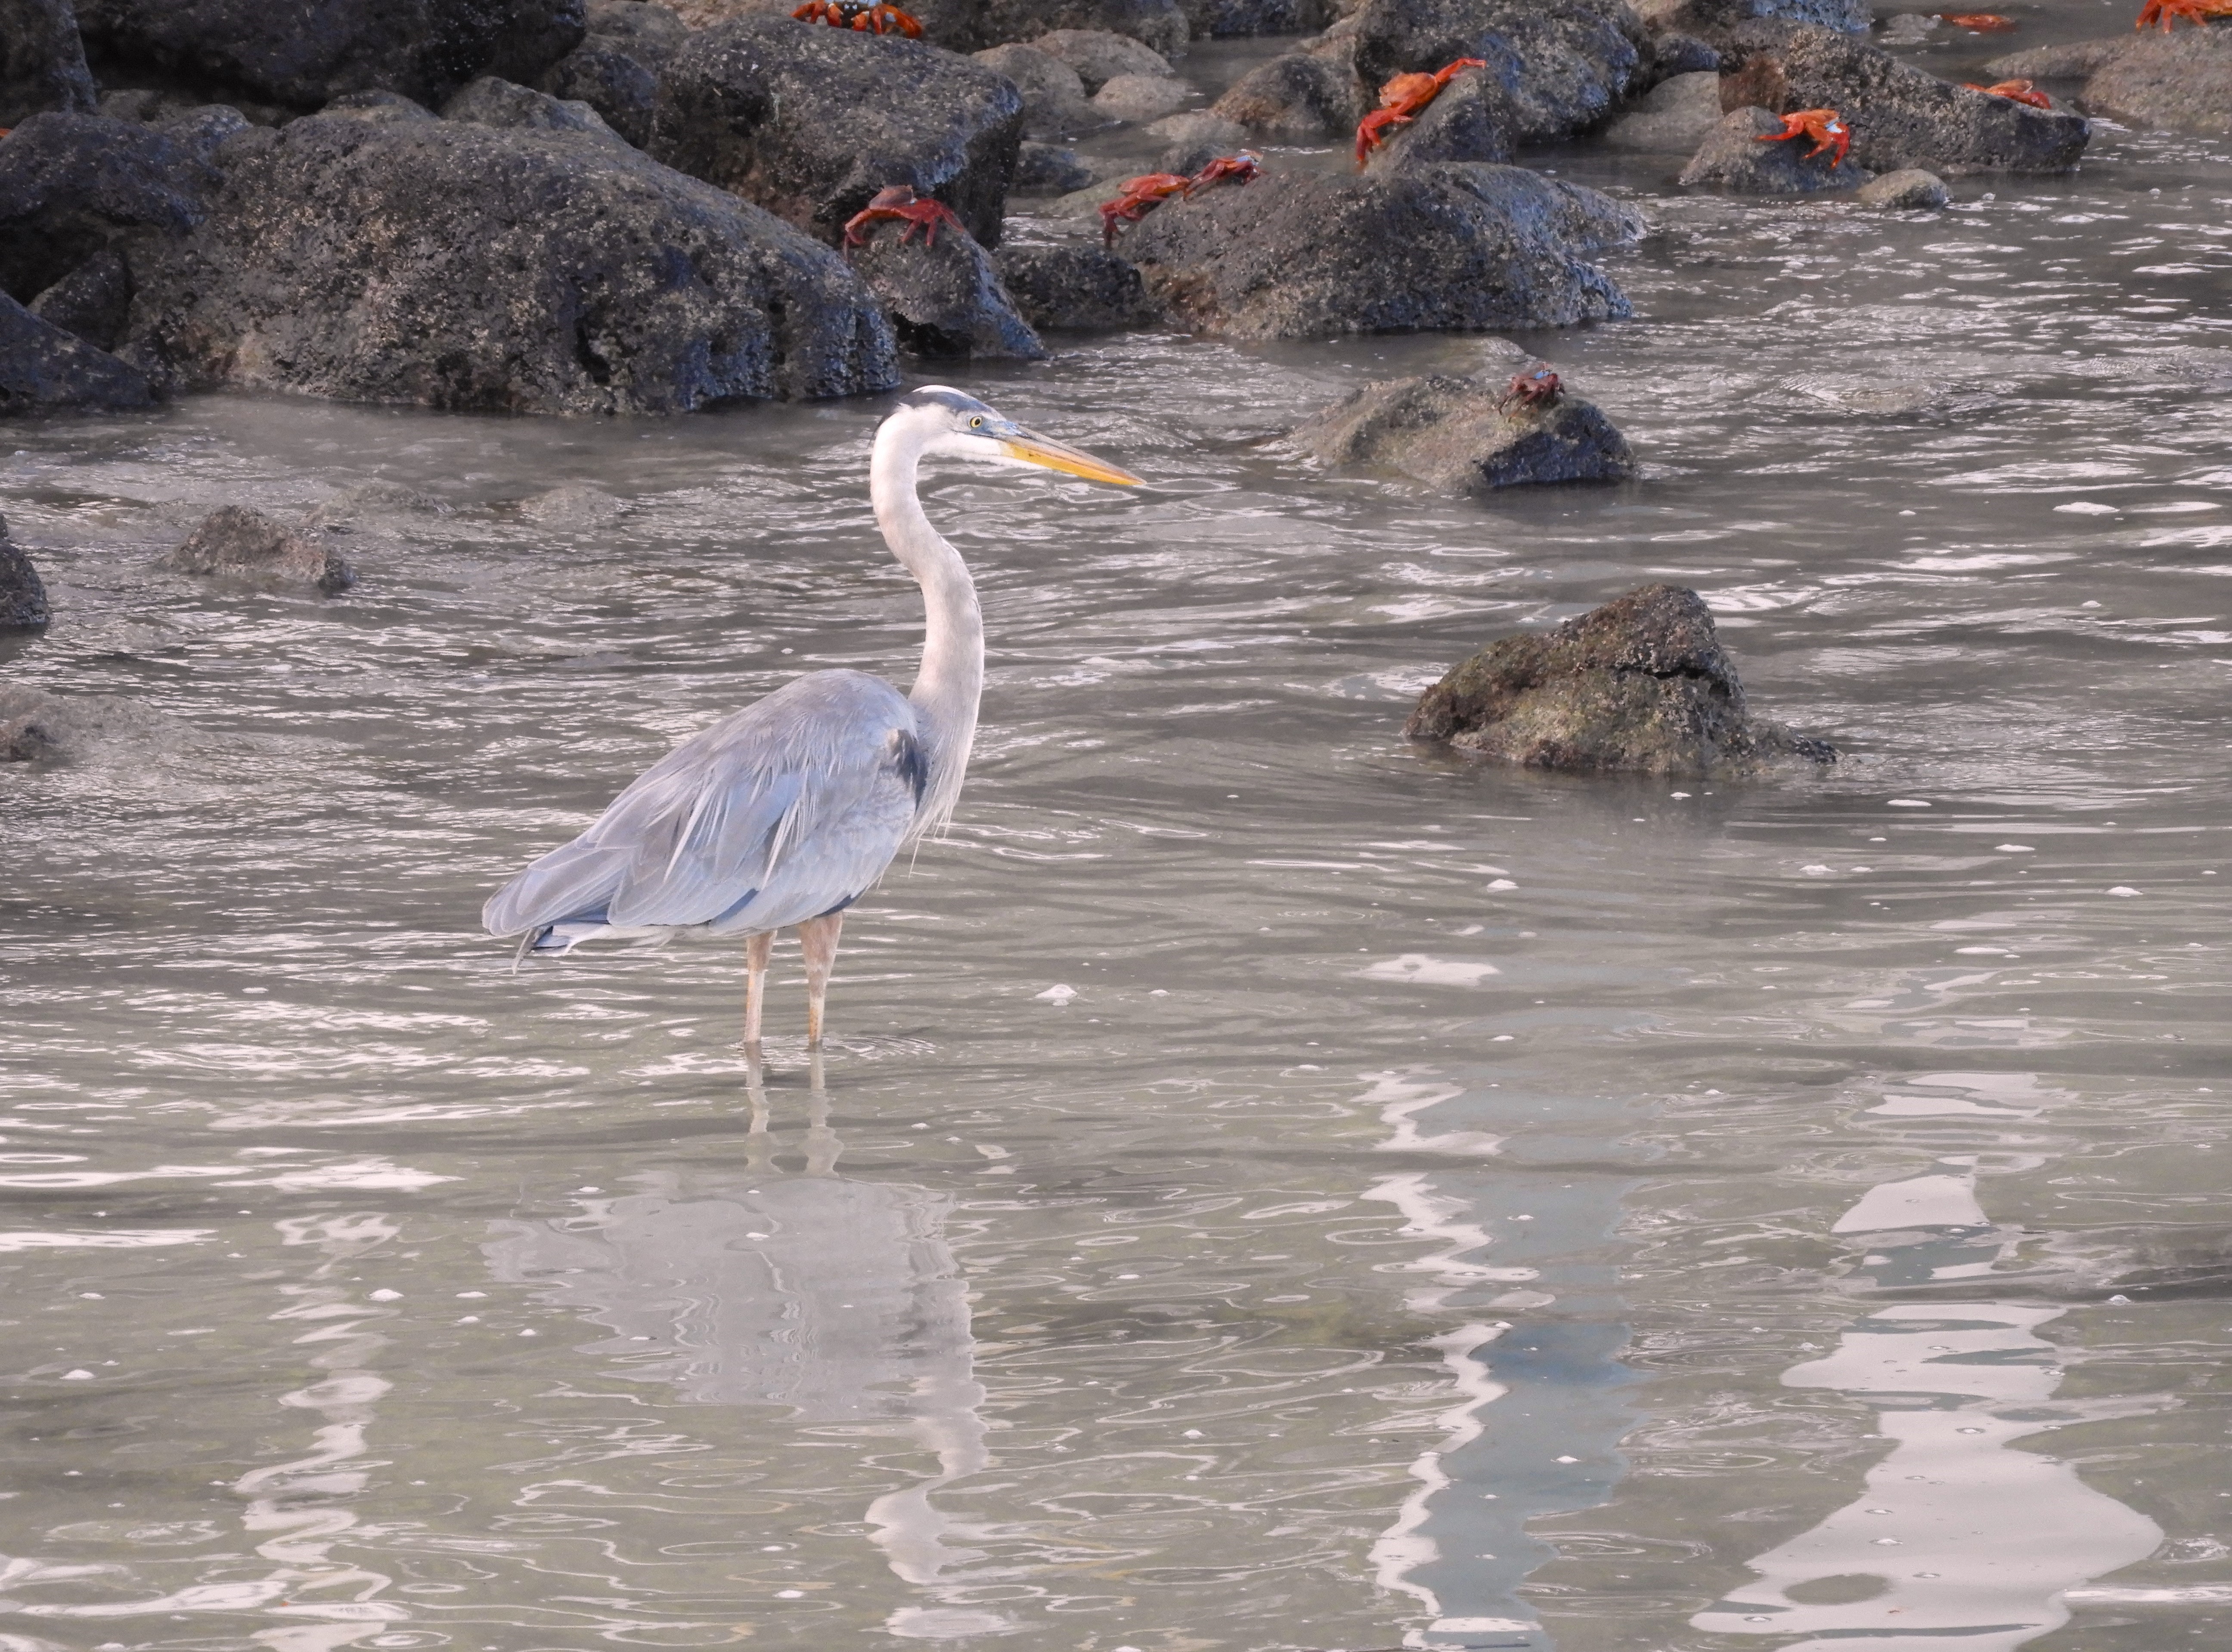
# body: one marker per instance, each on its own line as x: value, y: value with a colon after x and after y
x: 23, y: 593
x: 71, y: 185
x: 1466, y: 436
x: 203, y: 128
x: 1712, y: 20
x: 93, y: 301
x: 303, y: 55
x: 1911, y: 190
x: 1899, y: 116
x: 1446, y: 247
x: 378, y: 108
x: 615, y: 69
x: 1098, y: 56
x: 1641, y: 684
x: 42, y: 60
x: 2071, y: 59
x: 455, y: 266
x: 2180, y: 81
x: 1047, y: 169
x: 1676, y: 115
x: 43, y: 369
x: 1566, y: 65
x: 1297, y: 98
x: 1077, y: 289
x: 1159, y: 25
x: 1471, y: 118
x: 1736, y: 157
x: 1674, y: 53
x: 491, y: 102
x: 1220, y: 19
x: 811, y: 122
x: 237, y: 543
x: 944, y: 299
x: 1054, y: 104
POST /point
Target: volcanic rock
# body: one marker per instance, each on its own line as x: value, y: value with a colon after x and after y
x: 23, y: 593
x: 1566, y: 64
x: 1907, y: 190
x: 1141, y: 97
x: 945, y: 299
x: 2180, y: 81
x: 1296, y: 97
x: 453, y: 266
x: 1077, y: 289
x: 304, y: 55
x: 93, y: 301
x: 1712, y: 20
x: 616, y: 68
x: 491, y: 102
x: 1737, y: 155
x: 1222, y: 18
x: 1472, y: 118
x: 236, y: 542
x: 1899, y: 116
x: 574, y: 505
x: 42, y: 60
x: 1054, y: 98
x: 43, y: 369
x: 70, y: 184
x: 1048, y: 169
x: 1639, y: 684
x: 1466, y: 435
x: 1674, y: 53
x: 1676, y: 114
x: 1443, y: 247
x: 811, y: 122
x: 1159, y: 25
x: 1100, y: 56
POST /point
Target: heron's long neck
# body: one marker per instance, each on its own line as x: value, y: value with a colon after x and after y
x: 952, y: 680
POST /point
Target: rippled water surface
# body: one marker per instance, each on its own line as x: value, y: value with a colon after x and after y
x: 1272, y: 1187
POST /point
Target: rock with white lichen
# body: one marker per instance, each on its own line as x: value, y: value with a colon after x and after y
x: 1468, y: 436
x: 237, y: 543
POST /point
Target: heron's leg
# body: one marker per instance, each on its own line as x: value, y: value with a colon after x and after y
x: 817, y: 939
x: 756, y: 948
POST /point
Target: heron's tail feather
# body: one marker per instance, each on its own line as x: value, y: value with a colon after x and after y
x: 574, y: 882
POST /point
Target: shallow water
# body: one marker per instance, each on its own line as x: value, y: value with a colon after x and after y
x: 1442, y: 1206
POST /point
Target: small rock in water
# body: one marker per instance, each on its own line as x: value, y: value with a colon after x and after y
x: 1466, y: 436
x: 1078, y: 288
x: 573, y: 504
x: 240, y: 543
x: 1737, y: 156
x: 1679, y: 113
x: 1098, y: 56
x: 1639, y: 684
x: 1141, y: 97
x: 1048, y: 169
x: 1911, y: 188
x: 23, y: 593
x: 1298, y: 98
x: 1054, y: 98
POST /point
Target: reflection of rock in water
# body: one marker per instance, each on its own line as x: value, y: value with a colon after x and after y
x: 1955, y: 1541
x: 836, y: 1298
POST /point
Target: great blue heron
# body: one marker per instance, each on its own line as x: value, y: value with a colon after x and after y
x: 789, y: 811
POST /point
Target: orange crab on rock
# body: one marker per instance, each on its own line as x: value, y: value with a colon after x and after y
x: 858, y: 14
x: 2017, y: 91
x: 1402, y: 100
x: 1536, y: 387
x: 916, y: 211
x: 1141, y: 195
x: 1826, y: 127
x: 2197, y: 12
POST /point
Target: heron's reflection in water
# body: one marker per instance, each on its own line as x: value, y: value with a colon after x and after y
x: 1956, y: 1542
x: 759, y: 1286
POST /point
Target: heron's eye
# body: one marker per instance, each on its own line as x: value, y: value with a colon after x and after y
x: 978, y: 423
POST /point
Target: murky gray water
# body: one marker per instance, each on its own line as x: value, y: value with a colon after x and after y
x: 1450, y: 1207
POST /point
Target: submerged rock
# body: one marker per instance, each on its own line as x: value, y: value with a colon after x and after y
x: 236, y: 542
x: 1641, y: 684
x: 1679, y: 113
x: 1445, y: 247
x: 23, y: 593
x: 1736, y: 156
x: 1466, y: 436
x: 42, y: 60
x: 454, y: 265
x: 1077, y: 289
x: 574, y: 504
x: 945, y: 299
x: 811, y: 122
x: 1899, y: 116
x: 39, y: 726
x: 43, y: 369
x: 1910, y: 189
x: 304, y: 55
x: 2181, y: 81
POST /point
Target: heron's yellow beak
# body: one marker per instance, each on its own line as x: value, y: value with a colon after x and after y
x: 1029, y: 447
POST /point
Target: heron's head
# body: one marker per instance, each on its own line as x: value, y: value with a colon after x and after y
x: 956, y: 426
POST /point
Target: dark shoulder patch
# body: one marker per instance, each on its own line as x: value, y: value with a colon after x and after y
x: 911, y: 762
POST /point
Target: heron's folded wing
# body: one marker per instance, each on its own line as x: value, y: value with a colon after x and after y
x: 573, y: 881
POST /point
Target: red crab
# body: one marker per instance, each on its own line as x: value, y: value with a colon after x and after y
x: 2019, y: 91
x: 1536, y: 387
x: 1981, y: 22
x: 899, y: 201
x: 1401, y: 99
x: 2197, y: 12
x: 1150, y: 190
x: 1825, y: 126
x: 858, y: 14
